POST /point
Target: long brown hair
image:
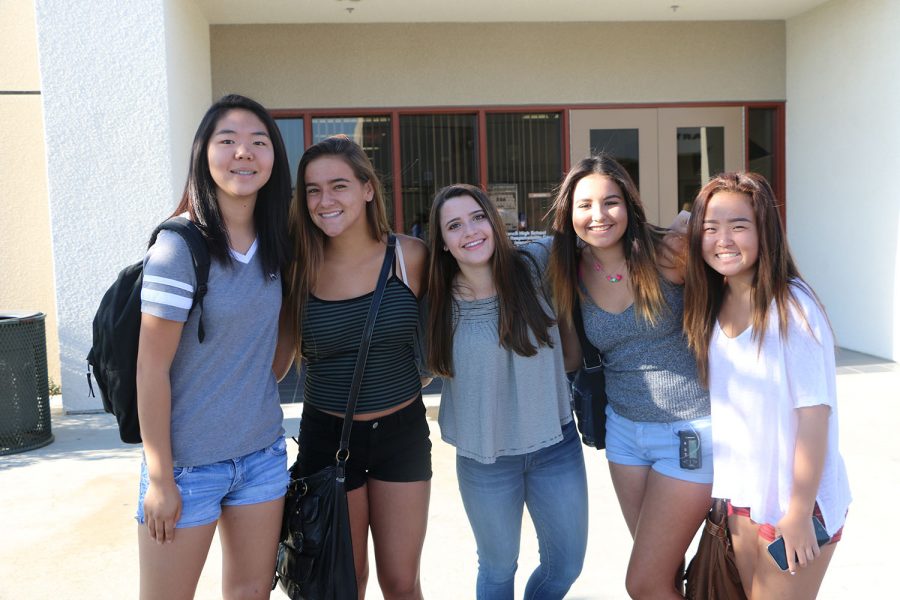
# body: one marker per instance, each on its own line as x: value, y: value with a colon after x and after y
x: 775, y: 268
x: 514, y: 279
x: 639, y: 242
x: 308, y: 240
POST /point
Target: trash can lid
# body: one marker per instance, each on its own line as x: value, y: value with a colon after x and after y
x: 18, y: 314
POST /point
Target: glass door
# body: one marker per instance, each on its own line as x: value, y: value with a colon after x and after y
x: 630, y: 136
x: 669, y: 152
x: 695, y: 144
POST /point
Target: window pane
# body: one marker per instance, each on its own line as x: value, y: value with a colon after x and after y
x: 701, y: 154
x: 435, y: 150
x: 761, y: 130
x: 292, y: 133
x: 622, y: 145
x: 524, y: 155
x: 373, y: 134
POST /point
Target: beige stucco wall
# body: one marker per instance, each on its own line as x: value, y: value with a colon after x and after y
x: 320, y: 66
x: 26, y: 259
x: 843, y: 208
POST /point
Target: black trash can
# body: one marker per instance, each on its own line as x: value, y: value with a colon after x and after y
x: 24, y: 389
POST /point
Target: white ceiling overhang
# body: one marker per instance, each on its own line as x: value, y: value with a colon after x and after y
x: 222, y: 12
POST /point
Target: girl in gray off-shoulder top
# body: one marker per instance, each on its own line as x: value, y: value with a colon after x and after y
x: 505, y: 399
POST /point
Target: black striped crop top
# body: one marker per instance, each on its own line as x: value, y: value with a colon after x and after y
x: 332, y: 331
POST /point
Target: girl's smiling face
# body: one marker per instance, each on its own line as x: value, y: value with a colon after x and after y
x: 335, y: 198
x: 730, y: 236
x: 466, y: 231
x: 240, y: 155
x: 599, y: 214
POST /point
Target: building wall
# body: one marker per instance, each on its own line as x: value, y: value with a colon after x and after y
x: 120, y: 85
x: 26, y: 260
x: 842, y: 159
x: 317, y: 66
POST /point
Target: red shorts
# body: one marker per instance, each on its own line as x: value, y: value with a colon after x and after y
x: 767, y: 532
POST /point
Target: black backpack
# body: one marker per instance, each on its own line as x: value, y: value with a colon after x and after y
x: 117, y: 324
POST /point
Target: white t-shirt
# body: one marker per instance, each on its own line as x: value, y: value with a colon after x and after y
x: 753, y: 395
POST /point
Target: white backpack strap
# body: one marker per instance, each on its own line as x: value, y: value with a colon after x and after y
x: 402, y: 264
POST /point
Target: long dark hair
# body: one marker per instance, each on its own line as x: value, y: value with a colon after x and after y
x: 639, y: 242
x: 308, y: 239
x: 272, y: 201
x: 775, y: 268
x: 514, y: 279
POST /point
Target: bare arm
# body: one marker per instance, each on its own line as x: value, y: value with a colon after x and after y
x: 157, y: 346
x: 415, y: 256
x: 285, y: 347
x: 571, y: 346
x: 809, y: 460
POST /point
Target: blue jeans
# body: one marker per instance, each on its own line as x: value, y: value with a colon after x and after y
x: 552, y: 483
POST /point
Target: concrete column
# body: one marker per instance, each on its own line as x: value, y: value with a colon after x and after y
x: 123, y: 86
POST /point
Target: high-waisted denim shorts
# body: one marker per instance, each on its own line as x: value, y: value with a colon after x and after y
x: 656, y: 445
x: 254, y: 478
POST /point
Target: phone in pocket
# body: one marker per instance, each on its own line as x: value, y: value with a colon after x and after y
x: 776, y: 548
x: 689, y: 452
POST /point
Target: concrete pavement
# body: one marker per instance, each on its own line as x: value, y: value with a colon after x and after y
x: 66, y: 526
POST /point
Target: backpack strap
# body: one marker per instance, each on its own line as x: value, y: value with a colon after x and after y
x: 590, y: 356
x: 196, y: 243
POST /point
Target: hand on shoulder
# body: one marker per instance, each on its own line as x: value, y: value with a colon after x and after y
x: 671, y: 257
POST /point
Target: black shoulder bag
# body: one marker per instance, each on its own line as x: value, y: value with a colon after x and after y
x: 589, y: 388
x: 315, y: 554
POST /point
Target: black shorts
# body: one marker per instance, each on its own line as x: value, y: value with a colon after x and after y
x: 395, y: 447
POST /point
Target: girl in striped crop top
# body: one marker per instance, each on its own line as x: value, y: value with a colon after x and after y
x: 340, y: 232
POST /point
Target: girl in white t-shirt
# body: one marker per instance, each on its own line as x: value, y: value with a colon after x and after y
x: 765, y: 348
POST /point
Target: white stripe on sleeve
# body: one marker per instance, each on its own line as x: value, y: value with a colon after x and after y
x: 165, y: 298
x: 169, y: 282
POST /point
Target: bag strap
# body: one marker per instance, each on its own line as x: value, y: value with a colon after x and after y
x: 192, y: 236
x: 590, y: 356
x: 343, y: 452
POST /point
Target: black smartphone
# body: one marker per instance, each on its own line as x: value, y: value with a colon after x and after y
x: 689, y: 450
x: 776, y: 548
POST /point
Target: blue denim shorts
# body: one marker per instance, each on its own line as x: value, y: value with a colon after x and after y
x: 254, y: 478
x: 656, y: 445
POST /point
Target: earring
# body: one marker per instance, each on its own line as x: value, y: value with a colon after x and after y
x: 446, y: 249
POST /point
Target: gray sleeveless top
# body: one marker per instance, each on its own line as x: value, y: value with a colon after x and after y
x: 499, y: 403
x: 651, y: 375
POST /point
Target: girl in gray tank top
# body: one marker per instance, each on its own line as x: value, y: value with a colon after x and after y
x: 624, y: 272
x: 505, y: 399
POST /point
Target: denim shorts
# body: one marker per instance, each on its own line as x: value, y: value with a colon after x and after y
x: 656, y: 445
x: 395, y: 447
x: 254, y: 478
